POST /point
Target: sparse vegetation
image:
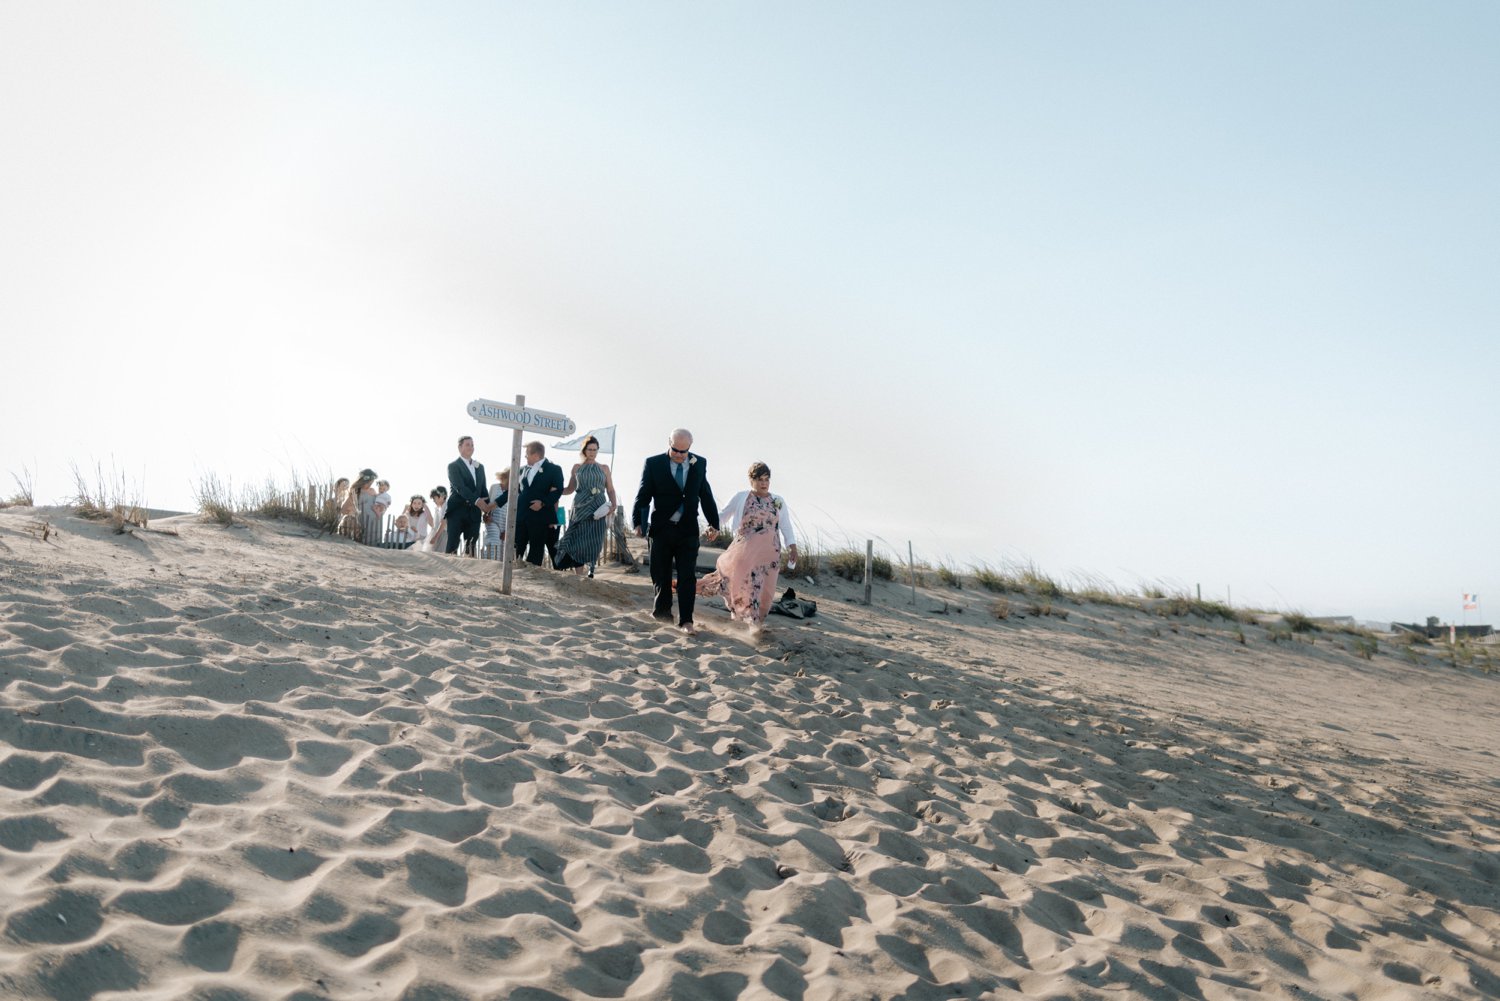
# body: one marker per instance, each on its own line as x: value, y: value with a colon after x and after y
x: 107, y: 498
x: 1301, y: 623
x: 850, y: 565
x: 995, y: 581
x: 1366, y: 646
x: 1000, y: 608
x: 1102, y: 595
x: 215, y: 501
x: 809, y: 561
x: 1036, y: 582
x: 24, y: 496
x: 1040, y: 608
x: 949, y: 576
x: 305, y: 500
x: 1182, y: 605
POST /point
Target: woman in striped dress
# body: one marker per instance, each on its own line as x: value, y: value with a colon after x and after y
x: 594, y: 496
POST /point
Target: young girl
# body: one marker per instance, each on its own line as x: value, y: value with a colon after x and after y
x: 439, y: 536
x: 418, y: 519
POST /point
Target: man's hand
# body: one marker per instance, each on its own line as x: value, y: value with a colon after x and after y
x: 640, y: 533
x: 712, y: 533
x: 536, y: 505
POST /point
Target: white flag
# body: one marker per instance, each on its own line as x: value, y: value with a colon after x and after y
x: 606, y: 438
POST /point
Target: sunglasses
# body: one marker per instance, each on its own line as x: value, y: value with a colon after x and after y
x: 677, y: 451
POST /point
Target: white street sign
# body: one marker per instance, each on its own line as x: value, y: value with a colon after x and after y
x: 521, y: 418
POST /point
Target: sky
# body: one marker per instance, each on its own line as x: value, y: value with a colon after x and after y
x: 1202, y: 295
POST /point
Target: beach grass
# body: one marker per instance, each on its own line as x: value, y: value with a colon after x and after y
x: 1300, y: 622
x: 305, y: 499
x: 996, y: 581
x: 25, y: 495
x: 849, y: 563
x: 108, y: 498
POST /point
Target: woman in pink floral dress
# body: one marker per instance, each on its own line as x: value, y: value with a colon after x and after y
x: 746, y: 574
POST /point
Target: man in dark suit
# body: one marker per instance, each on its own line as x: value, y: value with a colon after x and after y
x: 536, y: 519
x: 468, y: 498
x: 674, y: 486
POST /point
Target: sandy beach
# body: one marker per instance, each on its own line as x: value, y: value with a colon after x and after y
x: 250, y: 763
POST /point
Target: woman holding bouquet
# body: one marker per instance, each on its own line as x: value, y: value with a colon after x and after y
x: 746, y: 574
x: 594, y: 497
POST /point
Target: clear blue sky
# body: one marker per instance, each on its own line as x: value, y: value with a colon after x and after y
x: 1182, y: 292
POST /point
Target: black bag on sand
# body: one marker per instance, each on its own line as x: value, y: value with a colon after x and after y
x: 797, y: 608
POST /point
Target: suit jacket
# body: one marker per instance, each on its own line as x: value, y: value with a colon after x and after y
x: 659, y: 489
x: 462, y: 491
x: 547, y: 487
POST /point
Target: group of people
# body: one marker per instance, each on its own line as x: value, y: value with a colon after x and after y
x: 469, y: 515
x: 475, y: 508
x: 362, y: 507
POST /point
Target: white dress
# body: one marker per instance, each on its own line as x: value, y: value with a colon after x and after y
x: 420, y: 527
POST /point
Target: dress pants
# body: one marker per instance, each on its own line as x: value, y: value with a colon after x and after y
x: 675, y: 550
x: 469, y: 523
x: 531, y: 536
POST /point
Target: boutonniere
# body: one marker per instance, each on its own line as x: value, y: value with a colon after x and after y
x: 692, y: 460
x: 594, y: 491
x: 776, y: 501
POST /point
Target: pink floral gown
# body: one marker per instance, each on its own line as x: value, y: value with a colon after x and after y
x: 746, y: 574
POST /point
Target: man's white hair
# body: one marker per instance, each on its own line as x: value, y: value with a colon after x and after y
x: 680, y: 433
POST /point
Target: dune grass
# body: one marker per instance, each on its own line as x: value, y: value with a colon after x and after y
x: 809, y: 561
x: 215, y: 499
x: 996, y: 581
x: 1299, y: 622
x: 107, y: 497
x: 24, y: 496
x: 850, y: 564
x: 306, y: 499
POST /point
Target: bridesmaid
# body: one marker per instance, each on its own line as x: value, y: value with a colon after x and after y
x: 746, y: 574
x: 593, y: 488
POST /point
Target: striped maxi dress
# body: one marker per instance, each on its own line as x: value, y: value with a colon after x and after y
x: 584, y: 538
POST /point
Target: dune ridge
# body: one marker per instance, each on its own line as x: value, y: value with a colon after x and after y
x: 245, y: 763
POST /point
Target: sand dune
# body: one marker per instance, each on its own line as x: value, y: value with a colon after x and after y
x: 245, y: 763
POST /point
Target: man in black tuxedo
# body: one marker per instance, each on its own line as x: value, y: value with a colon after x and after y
x: 468, y: 498
x: 536, y: 519
x: 674, y: 486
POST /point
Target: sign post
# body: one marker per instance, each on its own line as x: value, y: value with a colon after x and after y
x: 519, y: 418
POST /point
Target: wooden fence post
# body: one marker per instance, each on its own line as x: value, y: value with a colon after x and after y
x: 869, y: 566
